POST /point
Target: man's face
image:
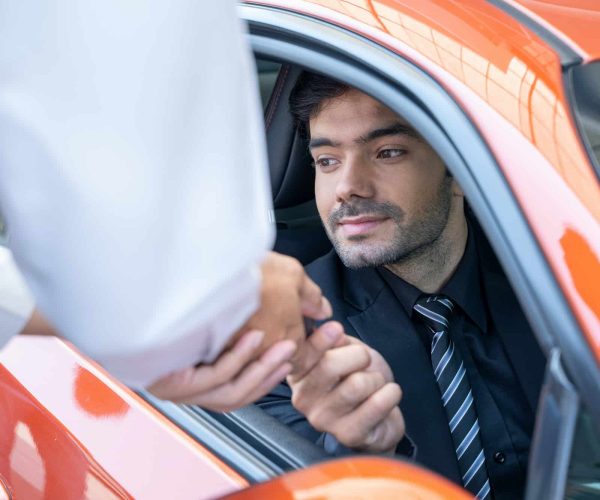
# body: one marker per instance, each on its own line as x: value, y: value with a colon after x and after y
x: 382, y: 192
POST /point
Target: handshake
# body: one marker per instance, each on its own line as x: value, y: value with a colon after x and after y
x: 341, y: 385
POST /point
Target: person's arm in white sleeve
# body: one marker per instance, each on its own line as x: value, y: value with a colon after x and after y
x: 134, y: 180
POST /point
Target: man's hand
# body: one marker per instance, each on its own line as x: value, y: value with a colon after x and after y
x: 350, y: 393
x: 287, y: 294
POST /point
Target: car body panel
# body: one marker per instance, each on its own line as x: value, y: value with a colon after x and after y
x: 70, y: 427
x: 40, y: 457
x: 510, y: 83
x: 70, y: 431
x: 359, y: 478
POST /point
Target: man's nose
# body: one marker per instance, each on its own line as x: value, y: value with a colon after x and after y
x: 354, y: 181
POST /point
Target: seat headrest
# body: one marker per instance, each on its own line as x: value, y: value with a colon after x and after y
x: 292, y: 177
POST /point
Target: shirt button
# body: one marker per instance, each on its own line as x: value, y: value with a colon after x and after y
x: 499, y: 457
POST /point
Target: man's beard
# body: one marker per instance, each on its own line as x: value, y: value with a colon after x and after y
x: 406, y: 242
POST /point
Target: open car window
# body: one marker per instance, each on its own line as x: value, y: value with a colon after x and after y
x: 290, y: 230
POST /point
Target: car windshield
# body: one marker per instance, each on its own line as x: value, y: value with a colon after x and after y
x: 586, y: 85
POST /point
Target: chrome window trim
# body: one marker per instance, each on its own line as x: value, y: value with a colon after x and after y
x: 250, y: 441
x: 217, y: 438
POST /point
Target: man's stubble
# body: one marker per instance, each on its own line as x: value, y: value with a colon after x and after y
x: 408, y: 243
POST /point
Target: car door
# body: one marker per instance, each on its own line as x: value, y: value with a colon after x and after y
x: 346, y: 49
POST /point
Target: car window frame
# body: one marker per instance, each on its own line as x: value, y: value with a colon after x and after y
x: 251, y: 442
x: 286, y: 36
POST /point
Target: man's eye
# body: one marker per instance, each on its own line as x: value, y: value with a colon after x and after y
x: 325, y: 163
x: 391, y: 153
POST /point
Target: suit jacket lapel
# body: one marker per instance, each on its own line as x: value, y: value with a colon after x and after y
x: 378, y: 320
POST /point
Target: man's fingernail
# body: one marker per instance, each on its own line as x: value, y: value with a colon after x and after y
x: 332, y: 331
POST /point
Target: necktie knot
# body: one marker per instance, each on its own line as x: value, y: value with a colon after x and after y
x: 435, y: 311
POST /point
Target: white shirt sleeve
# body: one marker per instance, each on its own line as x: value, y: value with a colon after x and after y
x: 133, y: 175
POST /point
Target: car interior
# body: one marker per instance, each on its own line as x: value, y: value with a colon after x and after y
x: 299, y: 230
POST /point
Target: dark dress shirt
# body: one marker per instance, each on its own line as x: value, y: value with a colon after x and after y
x: 505, y: 419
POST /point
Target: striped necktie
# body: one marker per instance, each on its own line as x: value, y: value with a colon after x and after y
x: 452, y: 380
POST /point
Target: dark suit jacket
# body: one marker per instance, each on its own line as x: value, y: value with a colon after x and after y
x: 368, y: 309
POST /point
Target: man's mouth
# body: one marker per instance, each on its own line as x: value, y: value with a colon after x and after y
x: 353, y: 226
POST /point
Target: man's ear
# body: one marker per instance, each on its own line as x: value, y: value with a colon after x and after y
x: 456, y: 189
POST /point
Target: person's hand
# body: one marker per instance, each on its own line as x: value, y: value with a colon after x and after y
x: 350, y: 393
x: 287, y: 294
x: 38, y: 325
x: 238, y: 377
x: 260, y: 354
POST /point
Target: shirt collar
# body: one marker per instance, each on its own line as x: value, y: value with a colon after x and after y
x: 463, y: 287
x: 406, y: 293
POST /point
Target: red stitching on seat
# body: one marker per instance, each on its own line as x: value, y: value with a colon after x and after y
x: 276, y: 95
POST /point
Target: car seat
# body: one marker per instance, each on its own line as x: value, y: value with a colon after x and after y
x: 299, y: 229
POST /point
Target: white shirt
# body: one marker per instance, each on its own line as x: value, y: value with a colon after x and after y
x: 133, y: 175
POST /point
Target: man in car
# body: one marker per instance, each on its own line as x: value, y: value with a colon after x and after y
x: 412, y: 276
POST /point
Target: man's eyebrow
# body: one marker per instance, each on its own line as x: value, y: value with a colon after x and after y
x: 395, y: 129
x: 322, y: 141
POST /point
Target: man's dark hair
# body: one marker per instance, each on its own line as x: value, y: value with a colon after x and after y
x: 308, y: 96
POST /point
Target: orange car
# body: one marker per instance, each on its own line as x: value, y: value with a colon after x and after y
x: 508, y: 92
